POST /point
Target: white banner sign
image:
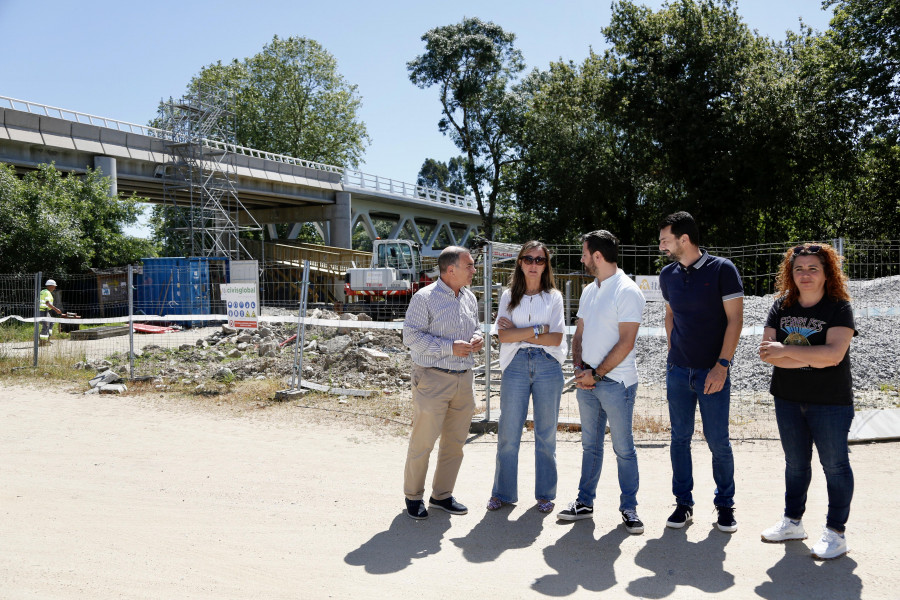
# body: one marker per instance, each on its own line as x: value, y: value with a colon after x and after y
x: 242, y: 304
x: 649, y: 284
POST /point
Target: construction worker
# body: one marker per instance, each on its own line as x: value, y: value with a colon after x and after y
x: 46, y: 307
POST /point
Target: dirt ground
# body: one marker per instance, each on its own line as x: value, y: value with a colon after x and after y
x: 151, y: 496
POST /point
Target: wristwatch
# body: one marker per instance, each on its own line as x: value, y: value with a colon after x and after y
x: 597, y: 376
x: 725, y: 363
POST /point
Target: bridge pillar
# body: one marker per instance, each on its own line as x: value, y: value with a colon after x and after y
x: 341, y: 234
x: 107, y: 166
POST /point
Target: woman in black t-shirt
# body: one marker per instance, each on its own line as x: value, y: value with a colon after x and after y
x: 807, y: 339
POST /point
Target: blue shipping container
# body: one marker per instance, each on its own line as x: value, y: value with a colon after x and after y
x: 175, y: 286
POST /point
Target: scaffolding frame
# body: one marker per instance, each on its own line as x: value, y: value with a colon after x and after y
x: 199, y: 182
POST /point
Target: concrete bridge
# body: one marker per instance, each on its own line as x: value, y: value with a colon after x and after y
x: 275, y: 189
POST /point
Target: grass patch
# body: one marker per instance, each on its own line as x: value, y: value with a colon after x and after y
x: 96, y: 325
x: 56, y: 367
x: 16, y: 331
x: 649, y: 424
x: 256, y: 398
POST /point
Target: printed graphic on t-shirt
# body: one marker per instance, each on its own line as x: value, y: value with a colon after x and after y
x: 799, y: 329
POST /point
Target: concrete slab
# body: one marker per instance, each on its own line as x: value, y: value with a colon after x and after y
x: 86, y: 145
x: 875, y: 425
x: 283, y: 395
x: 28, y: 136
x: 22, y: 120
x: 86, y: 138
x: 52, y: 140
x: 351, y: 392
x: 243, y: 171
x: 481, y: 426
x: 314, y: 386
x: 139, y: 146
x: 141, y: 154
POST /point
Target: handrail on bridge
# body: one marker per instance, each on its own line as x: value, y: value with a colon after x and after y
x: 349, y: 177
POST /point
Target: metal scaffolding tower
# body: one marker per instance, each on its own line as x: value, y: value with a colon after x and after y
x: 200, y: 182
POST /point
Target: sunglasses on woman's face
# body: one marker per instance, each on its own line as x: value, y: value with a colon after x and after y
x: 534, y: 260
x: 807, y: 249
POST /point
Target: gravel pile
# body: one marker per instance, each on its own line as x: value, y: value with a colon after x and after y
x: 873, y: 353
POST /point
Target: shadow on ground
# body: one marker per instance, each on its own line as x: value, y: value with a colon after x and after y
x: 675, y: 561
x: 581, y: 561
x: 497, y: 533
x: 405, y: 540
x: 799, y: 577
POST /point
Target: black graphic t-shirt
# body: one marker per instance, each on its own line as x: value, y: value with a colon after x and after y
x: 801, y: 326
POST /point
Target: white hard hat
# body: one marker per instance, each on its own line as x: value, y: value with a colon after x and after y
x: 50, y: 282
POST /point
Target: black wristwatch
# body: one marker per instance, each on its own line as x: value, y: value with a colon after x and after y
x: 725, y: 363
x: 597, y: 376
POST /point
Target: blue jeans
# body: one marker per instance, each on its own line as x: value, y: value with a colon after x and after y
x: 800, y: 425
x: 684, y: 390
x: 609, y: 400
x: 532, y: 374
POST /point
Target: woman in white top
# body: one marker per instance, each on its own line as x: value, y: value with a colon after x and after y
x: 530, y: 325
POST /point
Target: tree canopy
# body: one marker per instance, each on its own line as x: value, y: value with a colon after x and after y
x: 64, y: 224
x: 290, y: 99
x: 691, y: 110
x: 287, y: 99
x: 444, y: 177
x: 474, y: 64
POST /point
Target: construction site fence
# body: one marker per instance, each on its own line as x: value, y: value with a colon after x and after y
x: 100, y: 311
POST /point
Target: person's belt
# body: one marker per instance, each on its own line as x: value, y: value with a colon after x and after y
x: 451, y: 371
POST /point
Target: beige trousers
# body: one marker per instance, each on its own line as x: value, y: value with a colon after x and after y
x: 443, y: 405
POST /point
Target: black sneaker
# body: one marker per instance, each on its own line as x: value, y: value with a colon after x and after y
x: 415, y: 509
x: 576, y: 512
x: 632, y: 523
x: 726, y: 520
x: 448, y: 504
x: 683, y: 514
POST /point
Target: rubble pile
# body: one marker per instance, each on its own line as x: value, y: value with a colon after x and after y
x: 376, y: 359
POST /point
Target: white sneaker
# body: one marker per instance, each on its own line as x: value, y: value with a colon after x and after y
x: 784, y: 530
x: 832, y: 545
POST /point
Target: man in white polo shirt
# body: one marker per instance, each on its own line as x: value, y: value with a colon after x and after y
x: 609, y: 315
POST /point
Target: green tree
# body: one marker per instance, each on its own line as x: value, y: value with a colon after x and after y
x: 690, y: 77
x: 858, y: 60
x: 63, y: 224
x: 870, y: 30
x: 688, y: 110
x: 579, y: 167
x: 445, y: 177
x: 290, y: 99
x: 474, y: 65
x: 287, y: 99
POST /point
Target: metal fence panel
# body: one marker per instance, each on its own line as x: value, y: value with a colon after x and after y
x: 179, y: 335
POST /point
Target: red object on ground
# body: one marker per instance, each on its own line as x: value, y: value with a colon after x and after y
x: 144, y: 328
x: 287, y: 341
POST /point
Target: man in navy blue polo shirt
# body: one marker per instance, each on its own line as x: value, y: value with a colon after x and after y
x: 704, y: 315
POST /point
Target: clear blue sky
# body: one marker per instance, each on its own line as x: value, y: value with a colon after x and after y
x: 117, y: 59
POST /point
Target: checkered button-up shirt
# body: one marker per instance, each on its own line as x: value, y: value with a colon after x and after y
x: 437, y: 317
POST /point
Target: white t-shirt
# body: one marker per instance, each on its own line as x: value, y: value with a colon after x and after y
x: 539, y: 309
x: 617, y: 300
